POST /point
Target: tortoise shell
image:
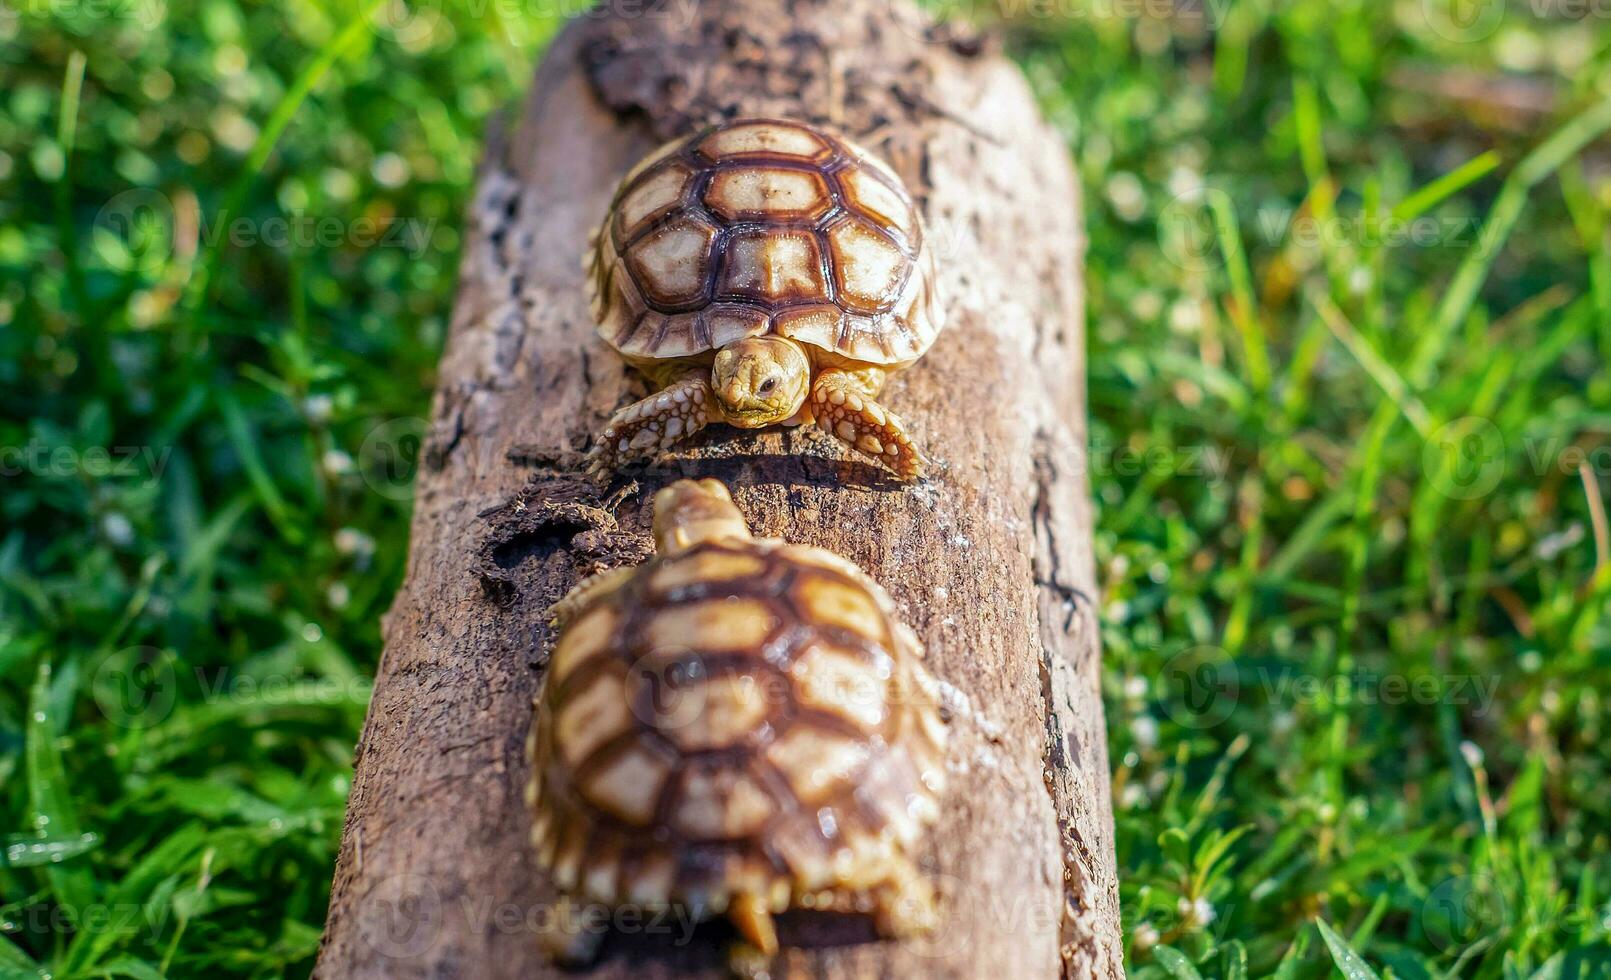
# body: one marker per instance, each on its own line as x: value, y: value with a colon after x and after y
x: 743, y: 716
x: 762, y: 226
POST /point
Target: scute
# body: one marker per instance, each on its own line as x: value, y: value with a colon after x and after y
x: 712, y: 626
x: 591, y: 717
x: 706, y: 566
x: 868, y: 267
x: 805, y: 848
x: 831, y: 601
x: 717, y: 802
x: 670, y: 265
x: 768, y: 193
x: 818, y: 764
x: 846, y: 683
x: 819, y: 324
x: 763, y: 138
x: 588, y: 636
x: 730, y: 736
x: 620, y: 307
x: 650, y: 198
x: 873, y: 197
x: 729, y: 322
x: 711, y: 713
x: 628, y: 786
x: 773, y: 266
x: 764, y: 226
x: 680, y: 335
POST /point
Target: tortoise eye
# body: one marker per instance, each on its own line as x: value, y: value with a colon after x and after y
x: 768, y: 385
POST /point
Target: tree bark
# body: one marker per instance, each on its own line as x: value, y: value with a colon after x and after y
x: 990, y: 559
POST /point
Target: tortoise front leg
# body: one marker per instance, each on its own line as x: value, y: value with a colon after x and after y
x: 842, y: 405
x: 583, y: 594
x: 649, y: 427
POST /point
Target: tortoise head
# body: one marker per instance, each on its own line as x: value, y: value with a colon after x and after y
x: 760, y: 381
x: 690, y: 512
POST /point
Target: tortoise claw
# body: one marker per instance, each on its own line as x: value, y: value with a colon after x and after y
x: 859, y: 422
x: 646, y: 428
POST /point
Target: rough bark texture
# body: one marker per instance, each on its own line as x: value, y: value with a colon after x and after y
x: 990, y: 559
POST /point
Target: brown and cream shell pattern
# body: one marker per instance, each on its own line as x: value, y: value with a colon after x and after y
x: 744, y: 716
x: 759, y: 227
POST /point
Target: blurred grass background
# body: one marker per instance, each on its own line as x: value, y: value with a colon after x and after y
x: 1350, y: 311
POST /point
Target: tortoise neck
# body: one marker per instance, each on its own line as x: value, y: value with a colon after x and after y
x: 689, y: 513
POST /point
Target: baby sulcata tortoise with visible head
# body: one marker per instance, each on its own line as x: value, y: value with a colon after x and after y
x: 738, y: 726
x: 763, y: 271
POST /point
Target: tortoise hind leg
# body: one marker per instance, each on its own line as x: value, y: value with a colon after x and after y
x: 842, y: 405
x: 648, y: 427
x: 905, y: 905
x: 568, y: 936
x: 753, y: 919
x: 752, y: 956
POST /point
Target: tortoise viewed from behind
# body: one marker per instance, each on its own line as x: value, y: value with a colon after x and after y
x: 760, y: 272
x: 737, y: 727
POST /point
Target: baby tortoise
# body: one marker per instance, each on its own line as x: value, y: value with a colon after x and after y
x: 762, y: 272
x: 738, y: 726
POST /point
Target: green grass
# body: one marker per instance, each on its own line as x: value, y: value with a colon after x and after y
x: 1349, y: 474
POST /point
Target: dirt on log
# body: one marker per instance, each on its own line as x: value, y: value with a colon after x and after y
x: 989, y: 559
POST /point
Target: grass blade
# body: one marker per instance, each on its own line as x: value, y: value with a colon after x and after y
x: 1375, y: 365
x: 27, y: 852
x: 1245, y: 316
x: 245, y: 444
x: 50, y: 799
x: 1444, y: 187
x: 15, y: 963
x: 67, y: 138
x: 1352, y: 965
x: 1176, y: 963
x: 1287, y: 969
x: 1502, y: 218
x: 170, y: 857
x: 356, y: 30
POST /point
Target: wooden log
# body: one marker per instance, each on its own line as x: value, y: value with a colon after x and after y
x: 990, y: 558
